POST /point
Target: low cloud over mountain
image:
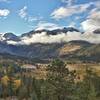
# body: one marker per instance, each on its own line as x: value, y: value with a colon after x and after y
x: 51, y: 36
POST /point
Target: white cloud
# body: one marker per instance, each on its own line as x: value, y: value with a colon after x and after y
x: 77, y: 17
x: 63, y: 12
x: 45, y: 25
x: 4, y: 12
x: 22, y: 12
x: 95, y: 13
x: 93, y: 20
x: 90, y: 25
x: 32, y: 18
x: 69, y: 2
x: 29, y: 18
x: 12, y: 42
x: 72, y: 24
x: 97, y: 4
x: 43, y: 38
x: 63, y: 37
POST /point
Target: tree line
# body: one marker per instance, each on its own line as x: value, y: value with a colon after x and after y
x: 59, y: 84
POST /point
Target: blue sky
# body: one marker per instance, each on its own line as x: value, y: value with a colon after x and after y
x: 20, y: 16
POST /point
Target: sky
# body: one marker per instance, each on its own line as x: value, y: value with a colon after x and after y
x: 21, y: 16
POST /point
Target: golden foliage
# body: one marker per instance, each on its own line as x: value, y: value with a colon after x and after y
x: 5, y: 80
x: 17, y: 83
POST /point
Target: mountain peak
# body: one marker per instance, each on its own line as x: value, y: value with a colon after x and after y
x: 51, y: 32
x: 10, y: 36
x: 70, y: 29
x: 97, y: 31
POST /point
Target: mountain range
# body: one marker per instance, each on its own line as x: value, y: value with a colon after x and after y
x: 68, y: 50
